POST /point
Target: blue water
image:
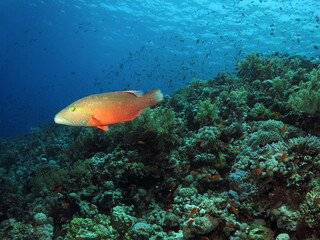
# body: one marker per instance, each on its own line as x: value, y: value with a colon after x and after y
x: 54, y: 52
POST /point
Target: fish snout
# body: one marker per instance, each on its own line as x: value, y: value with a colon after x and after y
x: 60, y: 120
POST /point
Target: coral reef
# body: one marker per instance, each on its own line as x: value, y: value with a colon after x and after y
x: 235, y: 157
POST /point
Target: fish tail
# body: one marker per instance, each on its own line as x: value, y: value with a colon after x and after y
x: 152, y: 98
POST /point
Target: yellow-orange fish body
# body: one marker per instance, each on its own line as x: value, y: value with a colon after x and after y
x: 101, y: 110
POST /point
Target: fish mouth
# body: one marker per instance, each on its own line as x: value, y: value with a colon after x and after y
x: 59, y: 120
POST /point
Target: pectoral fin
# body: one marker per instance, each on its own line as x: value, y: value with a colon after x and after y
x: 99, y: 124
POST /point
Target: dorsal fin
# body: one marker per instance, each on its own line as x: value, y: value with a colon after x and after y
x: 135, y: 92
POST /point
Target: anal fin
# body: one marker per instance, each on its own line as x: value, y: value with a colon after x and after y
x: 104, y: 128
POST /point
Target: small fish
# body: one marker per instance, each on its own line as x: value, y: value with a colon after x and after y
x: 141, y: 142
x: 230, y: 224
x: 318, y: 200
x: 66, y: 205
x: 252, y: 128
x: 235, y: 211
x: 284, y: 128
x: 35, y: 229
x: 296, y: 161
x: 178, y: 168
x: 283, y: 157
x: 215, y: 178
x: 316, y: 47
x: 190, y: 222
x: 80, y: 238
x: 142, y: 230
x: 257, y: 171
x: 205, y: 238
x: 101, y: 110
x: 242, y: 136
x: 58, y: 189
x: 92, y: 207
x: 132, y: 186
x: 193, y: 211
x: 167, y: 212
x: 170, y: 205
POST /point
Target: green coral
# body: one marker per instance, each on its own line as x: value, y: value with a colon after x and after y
x: 11, y: 229
x: 238, y: 97
x: 121, y: 220
x: 155, y: 127
x: 259, y: 111
x: 254, y: 66
x: 80, y: 170
x: 280, y: 85
x: 48, y: 177
x: 100, y: 228
x: 307, y: 99
x: 207, y: 112
x: 258, y: 232
x: 268, y: 132
x: 310, y: 209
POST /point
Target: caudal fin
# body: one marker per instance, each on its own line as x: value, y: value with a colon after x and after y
x: 152, y: 98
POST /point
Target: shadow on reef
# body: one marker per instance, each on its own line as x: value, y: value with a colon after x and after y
x: 234, y: 157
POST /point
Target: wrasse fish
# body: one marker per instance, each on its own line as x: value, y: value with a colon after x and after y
x: 101, y: 110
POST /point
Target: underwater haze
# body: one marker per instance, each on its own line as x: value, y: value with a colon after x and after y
x: 55, y: 52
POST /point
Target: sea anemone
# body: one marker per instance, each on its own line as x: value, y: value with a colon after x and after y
x: 309, y: 145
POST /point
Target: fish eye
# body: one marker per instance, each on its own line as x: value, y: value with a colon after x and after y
x: 72, y: 109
